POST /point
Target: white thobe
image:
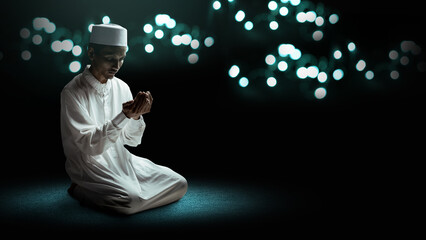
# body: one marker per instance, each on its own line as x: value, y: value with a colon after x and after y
x: 94, y: 130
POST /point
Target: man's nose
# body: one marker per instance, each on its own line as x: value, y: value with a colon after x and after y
x: 116, y: 64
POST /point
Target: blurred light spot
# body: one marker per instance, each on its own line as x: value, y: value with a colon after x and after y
x: 273, y: 25
x: 301, y: 17
x: 406, y: 46
x: 161, y: 19
x: 320, y: 93
x: 270, y: 59
x: 26, y: 55
x: 75, y: 66
x: 149, y: 48
x: 283, y: 11
x: 195, y: 44
x: 294, y: 2
x: 312, y: 71
x: 147, y: 28
x: 337, y: 54
x: 271, y: 82
x: 159, y: 34
x: 416, y: 50
x: 272, y: 5
x: 171, y: 23
x: 302, y: 73
x: 322, y: 77
x: 319, y: 21
x: 209, y: 41
x: 296, y: 54
x: 239, y: 16
x: 40, y: 23
x: 67, y: 45
x: 176, y: 40
x: 216, y: 5
x: 24, y: 33
x: 393, y: 55
x: 89, y: 28
x: 369, y: 75
x: 186, y: 39
x: 285, y: 49
x: 333, y: 19
x: 338, y: 74
x: 311, y: 16
x: 248, y: 25
x: 404, y: 60
x: 50, y: 28
x: 351, y: 46
x: 56, y: 46
x: 282, y: 66
x: 360, y: 66
x: 394, y: 74
x: 106, y: 20
x: 317, y: 35
x: 193, y: 58
x: 76, y: 50
x: 234, y: 71
x: 37, y: 39
x: 243, y: 82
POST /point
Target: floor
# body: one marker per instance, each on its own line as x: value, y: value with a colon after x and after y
x: 209, y: 205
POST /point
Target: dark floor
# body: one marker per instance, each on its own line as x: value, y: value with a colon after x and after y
x: 209, y: 205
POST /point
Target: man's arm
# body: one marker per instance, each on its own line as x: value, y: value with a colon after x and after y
x: 89, y: 137
x: 133, y: 131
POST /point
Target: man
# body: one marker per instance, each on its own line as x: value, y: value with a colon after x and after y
x: 99, y: 116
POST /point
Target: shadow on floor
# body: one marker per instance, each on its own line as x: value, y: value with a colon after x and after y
x: 210, y: 205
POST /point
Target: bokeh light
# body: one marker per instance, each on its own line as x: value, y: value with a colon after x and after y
x: 338, y: 74
x: 320, y: 93
x: 234, y: 71
x: 75, y: 66
x: 271, y: 82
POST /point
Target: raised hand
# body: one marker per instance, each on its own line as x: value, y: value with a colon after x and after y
x: 138, y: 106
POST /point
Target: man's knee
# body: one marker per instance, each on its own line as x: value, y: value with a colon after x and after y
x: 181, y: 187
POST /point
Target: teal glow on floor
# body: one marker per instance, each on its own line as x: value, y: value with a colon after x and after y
x: 207, y: 203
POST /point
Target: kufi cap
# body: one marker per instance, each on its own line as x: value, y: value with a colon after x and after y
x: 109, y: 34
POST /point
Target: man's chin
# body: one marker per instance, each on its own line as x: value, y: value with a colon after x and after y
x: 110, y: 75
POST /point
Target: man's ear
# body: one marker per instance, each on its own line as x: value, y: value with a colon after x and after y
x: 91, y: 53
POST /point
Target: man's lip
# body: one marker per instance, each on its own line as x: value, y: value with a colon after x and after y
x: 112, y: 72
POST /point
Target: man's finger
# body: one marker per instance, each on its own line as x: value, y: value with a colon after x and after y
x: 150, y: 96
x: 141, y: 105
x: 137, y: 101
x: 127, y: 103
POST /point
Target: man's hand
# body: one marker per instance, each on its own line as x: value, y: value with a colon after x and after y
x: 138, y: 106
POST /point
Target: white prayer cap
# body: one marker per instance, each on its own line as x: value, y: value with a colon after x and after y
x: 109, y: 34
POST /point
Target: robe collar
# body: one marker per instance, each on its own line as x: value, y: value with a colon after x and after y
x: 102, y: 89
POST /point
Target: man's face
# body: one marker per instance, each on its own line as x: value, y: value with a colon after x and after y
x: 108, y: 61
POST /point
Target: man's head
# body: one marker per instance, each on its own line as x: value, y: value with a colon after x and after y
x: 107, y: 50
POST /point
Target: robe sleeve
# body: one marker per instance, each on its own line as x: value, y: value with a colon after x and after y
x: 133, y: 131
x: 89, y: 137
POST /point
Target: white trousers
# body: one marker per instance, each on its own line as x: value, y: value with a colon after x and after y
x: 131, y: 203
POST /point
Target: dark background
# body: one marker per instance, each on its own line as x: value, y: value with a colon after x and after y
x: 359, y: 149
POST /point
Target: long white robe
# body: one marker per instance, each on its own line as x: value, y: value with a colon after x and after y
x: 94, y: 131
